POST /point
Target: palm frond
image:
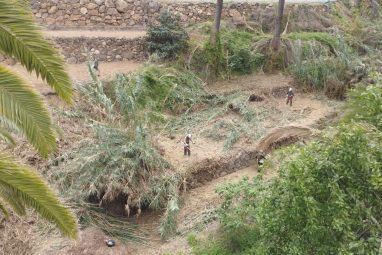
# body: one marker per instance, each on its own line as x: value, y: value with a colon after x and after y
x: 27, y: 187
x: 19, y: 104
x: 4, y: 210
x: 6, y: 136
x: 21, y: 38
x: 10, y: 197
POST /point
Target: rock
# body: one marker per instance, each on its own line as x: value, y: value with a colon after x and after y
x: 223, y: 174
x: 53, y: 10
x: 102, y: 9
x: 83, y: 11
x: 92, y: 6
x: 109, y: 3
x: 111, y: 11
x: 118, y: 57
x: 99, y: 2
x: 83, y: 2
x: 71, y: 60
x: 38, y: 15
x: 121, y: 5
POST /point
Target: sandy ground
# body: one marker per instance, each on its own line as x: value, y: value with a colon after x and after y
x: 78, y: 72
x: 131, y: 34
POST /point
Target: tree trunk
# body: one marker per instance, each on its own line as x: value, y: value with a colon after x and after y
x: 277, y: 36
x: 218, y: 15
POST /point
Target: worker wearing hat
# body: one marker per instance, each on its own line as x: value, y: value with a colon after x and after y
x: 290, y: 96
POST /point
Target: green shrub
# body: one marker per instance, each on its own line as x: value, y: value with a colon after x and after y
x: 168, y: 38
x: 231, y: 54
x: 365, y: 104
x: 326, y: 201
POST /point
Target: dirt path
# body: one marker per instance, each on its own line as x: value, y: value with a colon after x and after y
x: 78, y: 72
x: 131, y: 34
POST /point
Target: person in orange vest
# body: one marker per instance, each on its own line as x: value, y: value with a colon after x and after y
x: 186, y: 142
x: 290, y: 96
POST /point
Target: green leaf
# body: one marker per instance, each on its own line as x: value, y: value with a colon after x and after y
x: 21, y: 39
x: 20, y: 183
x: 19, y: 104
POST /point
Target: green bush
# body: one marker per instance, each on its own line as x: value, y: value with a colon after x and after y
x: 168, y: 38
x: 365, y: 105
x: 231, y: 54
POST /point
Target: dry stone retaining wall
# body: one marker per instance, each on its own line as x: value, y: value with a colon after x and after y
x: 78, y: 49
x: 121, y: 14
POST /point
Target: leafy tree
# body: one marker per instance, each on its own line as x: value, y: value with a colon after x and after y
x: 168, y: 37
x: 20, y: 106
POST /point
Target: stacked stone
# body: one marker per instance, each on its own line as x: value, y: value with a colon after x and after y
x: 78, y: 49
x: 125, y: 13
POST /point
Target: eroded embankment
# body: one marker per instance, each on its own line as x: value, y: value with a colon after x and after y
x: 210, y: 169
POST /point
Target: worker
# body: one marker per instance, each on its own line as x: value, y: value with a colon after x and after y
x: 260, y: 158
x: 187, y: 141
x: 290, y: 96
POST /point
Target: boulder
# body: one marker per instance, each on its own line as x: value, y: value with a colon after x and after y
x: 92, y: 6
x: 121, y: 5
x: 109, y: 3
x: 83, y: 11
x: 53, y: 9
x: 99, y: 2
x: 111, y: 11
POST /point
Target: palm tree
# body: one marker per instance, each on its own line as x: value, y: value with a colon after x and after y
x: 20, y: 186
x: 277, y: 36
x: 216, y: 27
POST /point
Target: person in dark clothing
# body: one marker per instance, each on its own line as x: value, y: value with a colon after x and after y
x: 290, y: 96
x: 187, y: 141
x: 260, y: 160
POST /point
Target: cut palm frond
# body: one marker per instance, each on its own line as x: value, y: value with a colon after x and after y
x: 4, y: 210
x: 21, y: 39
x: 6, y: 136
x: 22, y: 184
x: 19, y: 104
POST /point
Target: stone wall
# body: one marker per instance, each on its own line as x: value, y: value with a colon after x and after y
x: 121, y: 14
x: 77, y: 49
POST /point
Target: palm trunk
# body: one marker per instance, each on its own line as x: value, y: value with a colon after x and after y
x: 216, y: 27
x: 277, y: 36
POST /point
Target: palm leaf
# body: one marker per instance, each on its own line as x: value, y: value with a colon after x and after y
x: 6, y: 136
x: 19, y: 104
x: 27, y: 187
x: 21, y: 38
x: 11, y: 198
x: 4, y: 210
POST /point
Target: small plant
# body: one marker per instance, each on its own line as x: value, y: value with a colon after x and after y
x: 167, y: 38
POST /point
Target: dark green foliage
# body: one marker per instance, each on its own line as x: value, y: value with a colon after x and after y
x: 241, y: 59
x: 232, y: 53
x: 324, y: 63
x: 154, y: 90
x: 167, y: 38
